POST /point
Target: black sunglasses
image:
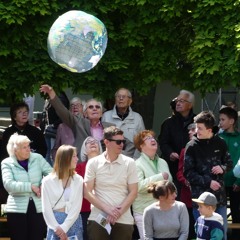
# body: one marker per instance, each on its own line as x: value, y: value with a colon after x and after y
x: 117, y: 141
x: 92, y: 106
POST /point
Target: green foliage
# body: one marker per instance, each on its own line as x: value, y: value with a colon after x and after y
x: 193, y: 44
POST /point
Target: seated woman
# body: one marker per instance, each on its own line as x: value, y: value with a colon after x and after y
x: 90, y: 148
x: 150, y: 168
x: 166, y: 218
x: 22, y: 174
x: 62, y: 193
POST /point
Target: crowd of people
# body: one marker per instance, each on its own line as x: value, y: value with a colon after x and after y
x: 102, y: 173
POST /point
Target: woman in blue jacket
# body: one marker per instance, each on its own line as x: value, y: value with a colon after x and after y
x: 22, y: 174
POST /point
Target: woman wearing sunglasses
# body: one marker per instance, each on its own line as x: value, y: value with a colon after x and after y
x: 150, y: 168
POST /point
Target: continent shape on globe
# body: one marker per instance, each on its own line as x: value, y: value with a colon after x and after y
x: 77, y: 41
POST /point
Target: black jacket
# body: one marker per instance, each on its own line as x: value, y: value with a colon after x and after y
x: 173, y: 137
x: 201, y: 155
x: 36, y: 137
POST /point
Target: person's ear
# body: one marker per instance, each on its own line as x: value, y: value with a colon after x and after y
x: 232, y: 121
x: 129, y: 101
x: 85, y: 114
x: 105, y: 141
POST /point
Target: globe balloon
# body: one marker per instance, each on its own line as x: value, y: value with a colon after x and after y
x: 77, y: 41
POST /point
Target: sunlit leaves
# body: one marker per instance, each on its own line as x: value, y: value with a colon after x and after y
x: 194, y: 44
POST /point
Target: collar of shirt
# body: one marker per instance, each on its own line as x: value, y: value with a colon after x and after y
x: 97, y: 131
x: 119, y: 159
x: 122, y: 116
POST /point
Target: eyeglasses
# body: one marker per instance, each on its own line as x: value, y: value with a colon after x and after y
x: 182, y: 101
x: 149, y: 138
x: 22, y: 113
x: 91, y: 141
x: 122, y: 96
x: 76, y: 105
x: 94, y: 106
x: 117, y: 141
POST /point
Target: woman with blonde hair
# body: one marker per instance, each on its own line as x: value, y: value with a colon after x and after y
x: 22, y: 174
x: 62, y: 193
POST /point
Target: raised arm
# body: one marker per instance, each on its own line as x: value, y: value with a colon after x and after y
x: 46, y: 89
x: 64, y: 114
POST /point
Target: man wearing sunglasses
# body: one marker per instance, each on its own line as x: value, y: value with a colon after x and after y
x: 123, y: 116
x: 110, y: 184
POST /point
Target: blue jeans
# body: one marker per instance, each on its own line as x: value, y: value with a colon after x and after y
x: 75, y: 230
x: 220, y: 210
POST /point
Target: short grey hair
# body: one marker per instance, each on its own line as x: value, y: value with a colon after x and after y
x: 128, y: 92
x: 190, y: 95
x: 93, y: 99
x: 76, y: 99
x: 14, y: 142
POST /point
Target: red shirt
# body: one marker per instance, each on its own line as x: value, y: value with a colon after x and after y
x: 80, y: 169
x: 186, y: 195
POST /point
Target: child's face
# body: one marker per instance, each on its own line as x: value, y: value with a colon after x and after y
x: 225, y: 122
x: 203, y: 132
x: 205, y: 210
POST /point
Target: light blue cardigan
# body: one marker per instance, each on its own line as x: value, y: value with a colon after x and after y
x: 17, y: 181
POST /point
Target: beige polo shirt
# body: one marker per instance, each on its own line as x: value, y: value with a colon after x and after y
x: 111, y: 182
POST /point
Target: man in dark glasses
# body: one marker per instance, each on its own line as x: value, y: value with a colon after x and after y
x: 110, y: 184
x: 123, y: 116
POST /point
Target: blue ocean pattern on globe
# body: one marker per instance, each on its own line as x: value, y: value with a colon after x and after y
x: 77, y: 41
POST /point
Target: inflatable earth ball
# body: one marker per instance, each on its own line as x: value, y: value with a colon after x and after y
x: 77, y: 41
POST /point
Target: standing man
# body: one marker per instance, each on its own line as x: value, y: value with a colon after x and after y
x: 123, y: 116
x: 205, y: 163
x: 111, y: 186
x: 174, y: 133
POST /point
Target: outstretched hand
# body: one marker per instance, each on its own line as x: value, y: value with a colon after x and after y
x: 46, y: 89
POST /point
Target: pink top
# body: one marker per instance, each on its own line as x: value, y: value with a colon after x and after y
x: 64, y: 136
x: 97, y: 131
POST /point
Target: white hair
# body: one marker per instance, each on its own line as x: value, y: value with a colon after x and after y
x: 85, y: 105
x: 84, y: 156
x: 76, y: 99
x: 190, y: 95
x: 14, y: 142
x: 125, y: 89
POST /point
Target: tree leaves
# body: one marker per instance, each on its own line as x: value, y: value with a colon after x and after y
x: 193, y: 44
